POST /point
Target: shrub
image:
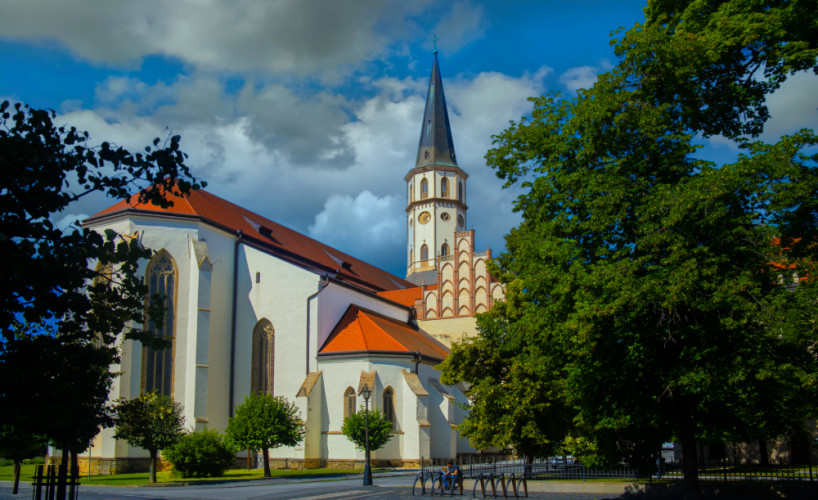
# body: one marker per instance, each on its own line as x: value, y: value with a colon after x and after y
x: 34, y: 461
x: 200, y: 453
x: 5, y: 462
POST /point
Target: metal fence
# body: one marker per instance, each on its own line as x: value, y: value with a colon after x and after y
x: 563, y: 470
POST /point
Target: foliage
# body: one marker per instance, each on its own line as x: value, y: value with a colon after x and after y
x: 200, y: 454
x: 642, y: 293
x: 151, y: 421
x: 59, y: 315
x: 380, y: 429
x: 19, y: 446
x: 264, y: 421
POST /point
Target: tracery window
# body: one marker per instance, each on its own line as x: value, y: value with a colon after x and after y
x: 444, y: 250
x: 444, y: 188
x: 424, y: 189
x: 263, y: 360
x: 157, y: 364
x: 389, y: 405
x: 424, y: 252
x: 349, y: 402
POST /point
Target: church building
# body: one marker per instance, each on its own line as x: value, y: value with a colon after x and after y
x: 253, y: 306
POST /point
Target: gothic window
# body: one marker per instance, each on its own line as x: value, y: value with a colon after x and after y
x: 444, y: 188
x: 424, y: 252
x: 157, y: 364
x: 424, y: 189
x: 263, y: 361
x: 349, y: 402
x: 102, y: 284
x: 444, y: 250
x: 460, y: 191
x: 389, y: 405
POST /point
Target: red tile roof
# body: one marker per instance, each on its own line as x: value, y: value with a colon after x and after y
x: 266, y: 235
x: 361, y: 330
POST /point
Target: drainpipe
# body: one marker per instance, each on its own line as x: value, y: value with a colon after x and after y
x: 239, y: 234
x: 322, y: 283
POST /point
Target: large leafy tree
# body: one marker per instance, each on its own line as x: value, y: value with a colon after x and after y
x: 380, y: 429
x: 150, y: 421
x: 264, y: 421
x: 642, y: 287
x: 69, y: 294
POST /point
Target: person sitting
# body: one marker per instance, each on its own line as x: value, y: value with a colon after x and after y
x: 451, y: 473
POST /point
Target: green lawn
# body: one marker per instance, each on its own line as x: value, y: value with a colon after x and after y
x: 140, y: 478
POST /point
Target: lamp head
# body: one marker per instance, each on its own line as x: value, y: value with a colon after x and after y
x: 366, y: 393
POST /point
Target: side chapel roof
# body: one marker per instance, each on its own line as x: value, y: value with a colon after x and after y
x: 264, y: 234
x: 363, y: 331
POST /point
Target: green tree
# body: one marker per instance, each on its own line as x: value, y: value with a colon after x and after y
x: 57, y: 283
x: 380, y: 429
x: 201, y: 453
x: 640, y: 286
x: 151, y: 421
x: 19, y: 445
x: 264, y: 421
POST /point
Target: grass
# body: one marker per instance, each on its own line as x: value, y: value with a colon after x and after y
x: 167, y: 477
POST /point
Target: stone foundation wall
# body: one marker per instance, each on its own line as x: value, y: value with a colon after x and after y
x: 106, y: 466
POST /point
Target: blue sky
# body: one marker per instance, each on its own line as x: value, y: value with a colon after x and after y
x: 308, y: 112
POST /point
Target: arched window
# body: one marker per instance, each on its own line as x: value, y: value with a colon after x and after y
x: 444, y: 250
x: 444, y: 188
x: 411, y: 192
x: 389, y: 405
x: 263, y: 361
x: 349, y: 402
x: 424, y: 252
x: 424, y: 189
x: 460, y: 191
x: 102, y: 284
x: 157, y: 364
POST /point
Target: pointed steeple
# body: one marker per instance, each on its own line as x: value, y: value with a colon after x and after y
x: 436, y: 146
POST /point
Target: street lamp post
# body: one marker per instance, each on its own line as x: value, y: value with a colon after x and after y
x: 366, y: 393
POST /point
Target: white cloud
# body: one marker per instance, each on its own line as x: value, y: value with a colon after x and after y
x: 338, y: 182
x: 463, y: 24
x: 366, y: 226
x: 582, y: 77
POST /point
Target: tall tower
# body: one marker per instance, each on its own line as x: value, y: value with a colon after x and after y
x: 436, y: 190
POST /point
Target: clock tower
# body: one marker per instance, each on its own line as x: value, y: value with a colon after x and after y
x: 436, y: 190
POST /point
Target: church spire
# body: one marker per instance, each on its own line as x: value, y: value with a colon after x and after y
x: 436, y: 146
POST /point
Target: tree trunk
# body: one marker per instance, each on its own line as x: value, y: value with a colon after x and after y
x: 152, y: 478
x: 763, y: 453
x: 690, y: 461
x: 61, y: 476
x: 264, y: 452
x: 17, y: 465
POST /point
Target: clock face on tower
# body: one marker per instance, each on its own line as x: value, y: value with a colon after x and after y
x: 424, y: 217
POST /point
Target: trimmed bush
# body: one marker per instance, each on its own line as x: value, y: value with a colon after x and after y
x: 200, y: 453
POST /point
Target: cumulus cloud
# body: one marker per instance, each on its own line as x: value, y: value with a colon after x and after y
x: 793, y: 106
x: 583, y: 77
x: 320, y: 36
x: 339, y: 182
x: 366, y: 226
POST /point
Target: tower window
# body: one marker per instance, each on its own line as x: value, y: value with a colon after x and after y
x: 424, y: 252
x: 258, y: 277
x: 444, y: 250
x: 460, y: 191
x: 424, y: 189
x: 444, y: 188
